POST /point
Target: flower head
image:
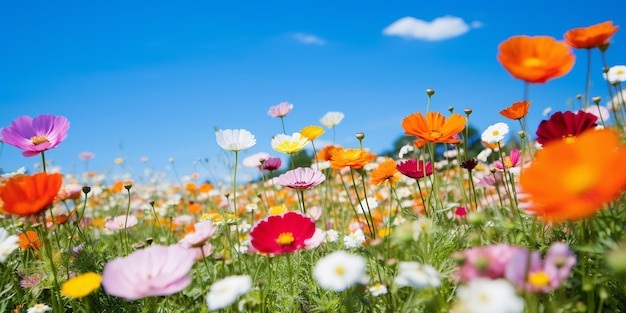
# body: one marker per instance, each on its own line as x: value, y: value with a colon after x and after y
x: 510, y: 161
x: 531, y: 273
x: 331, y: 119
x: 590, y: 37
x: 271, y: 164
x: 121, y: 222
x: 255, y: 160
x: 312, y: 132
x: 30, y: 194
x: 434, y: 127
x: 289, y: 144
x: 565, y: 126
x: 154, y: 271
x: 616, y: 74
x: 225, y: 292
x: 495, y: 133
x: 571, y: 181
x: 301, y: 178
x: 81, y: 285
x: 29, y: 240
x: 235, y: 139
x: 35, y: 135
x: 517, y: 110
x: 354, y: 158
x: 280, y: 110
x: 417, y: 275
x: 385, y: 172
x: 415, y: 169
x: 39, y: 308
x: 339, y: 270
x: 488, y: 296
x: 8, y: 244
x: 535, y: 59
x: 486, y: 262
x: 284, y: 233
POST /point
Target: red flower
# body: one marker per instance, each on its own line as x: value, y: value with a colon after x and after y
x: 415, y: 169
x: 285, y: 233
x: 30, y: 194
x: 565, y: 126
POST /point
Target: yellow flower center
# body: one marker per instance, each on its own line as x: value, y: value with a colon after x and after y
x: 539, y: 279
x: 569, y: 138
x: 495, y: 133
x: 435, y: 134
x: 533, y: 62
x: 37, y: 140
x: 339, y: 270
x: 507, y: 162
x: 285, y: 239
x: 619, y: 72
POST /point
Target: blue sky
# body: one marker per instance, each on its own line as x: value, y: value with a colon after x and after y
x: 154, y: 78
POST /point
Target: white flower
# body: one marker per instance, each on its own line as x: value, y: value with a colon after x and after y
x: 616, y: 74
x: 405, y: 150
x: 39, y: 308
x: 255, y: 159
x: 616, y: 102
x: 8, y: 244
x: 489, y: 296
x: 417, y: 275
x: 495, y: 133
x: 546, y: 111
x: 234, y: 139
x: 332, y: 235
x: 377, y: 290
x: 483, y: 155
x: 339, y: 270
x: 17, y: 172
x: 226, y: 291
x: 331, y: 119
x: 367, y: 204
x: 354, y: 239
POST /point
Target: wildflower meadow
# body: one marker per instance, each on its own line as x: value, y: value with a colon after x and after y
x: 456, y: 220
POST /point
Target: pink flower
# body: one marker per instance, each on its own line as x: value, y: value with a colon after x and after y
x: 271, y: 164
x: 153, y: 271
x: 280, y: 110
x: 488, y: 262
x: 415, y: 169
x: 121, y: 222
x: 510, y: 161
x: 541, y: 276
x: 42, y: 133
x: 301, y: 178
x: 203, y: 231
x: 86, y: 155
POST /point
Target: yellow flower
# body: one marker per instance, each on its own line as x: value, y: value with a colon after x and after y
x: 278, y: 209
x: 81, y: 285
x: 119, y: 160
x: 312, y: 132
x: 289, y: 144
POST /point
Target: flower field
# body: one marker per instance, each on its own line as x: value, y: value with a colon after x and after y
x: 535, y: 224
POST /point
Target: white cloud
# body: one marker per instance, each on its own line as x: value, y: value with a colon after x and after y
x: 441, y: 28
x: 309, y: 39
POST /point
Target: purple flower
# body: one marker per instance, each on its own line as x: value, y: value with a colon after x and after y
x: 271, y: 164
x: 301, y: 178
x: 153, y: 271
x: 42, y: 133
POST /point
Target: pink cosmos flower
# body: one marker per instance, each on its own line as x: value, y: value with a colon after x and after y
x: 271, y: 164
x: 153, y: 271
x: 121, y: 222
x: 284, y: 233
x: 510, y: 161
x: 203, y: 231
x: 42, y: 133
x: 301, y: 178
x: 487, y: 262
x: 280, y: 110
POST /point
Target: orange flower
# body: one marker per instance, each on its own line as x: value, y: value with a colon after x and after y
x: 516, y: 111
x: 386, y: 171
x: 354, y: 158
x: 435, y: 127
x: 326, y: 153
x: 29, y: 240
x: 590, y: 37
x: 574, y: 181
x: 30, y: 194
x: 535, y: 59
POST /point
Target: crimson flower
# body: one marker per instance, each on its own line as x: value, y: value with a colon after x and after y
x: 565, y: 126
x: 271, y: 164
x: 301, y: 178
x: 284, y: 233
x: 35, y: 135
x: 415, y: 169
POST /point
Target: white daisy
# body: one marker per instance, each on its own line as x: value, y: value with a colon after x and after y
x: 339, y: 270
x: 417, y: 275
x: 39, y: 308
x: 354, y: 239
x: 616, y: 74
x: 331, y: 119
x: 495, y: 133
x: 235, y: 139
x: 489, y: 296
x: 226, y: 291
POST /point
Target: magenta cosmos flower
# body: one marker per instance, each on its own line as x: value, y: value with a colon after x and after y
x: 510, y: 161
x: 284, y: 233
x: 34, y: 135
x: 565, y: 126
x: 271, y: 164
x: 280, y: 110
x: 415, y: 169
x: 301, y: 178
x: 153, y: 271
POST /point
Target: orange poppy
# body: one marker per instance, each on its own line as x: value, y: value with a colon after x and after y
x: 435, y: 127
x: 516, y: 111
x: 535, y: 59
x: 326, y: 153
x: 576, y: 180
x: 386, y: 171
x: 590, y: 37
x: 354, y: 158
x: 30, y: 194
x: 29, y: 240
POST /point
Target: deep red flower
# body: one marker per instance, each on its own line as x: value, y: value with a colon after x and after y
x: 415, y: 169
x: 284, y: 233
x: 565, y: 126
